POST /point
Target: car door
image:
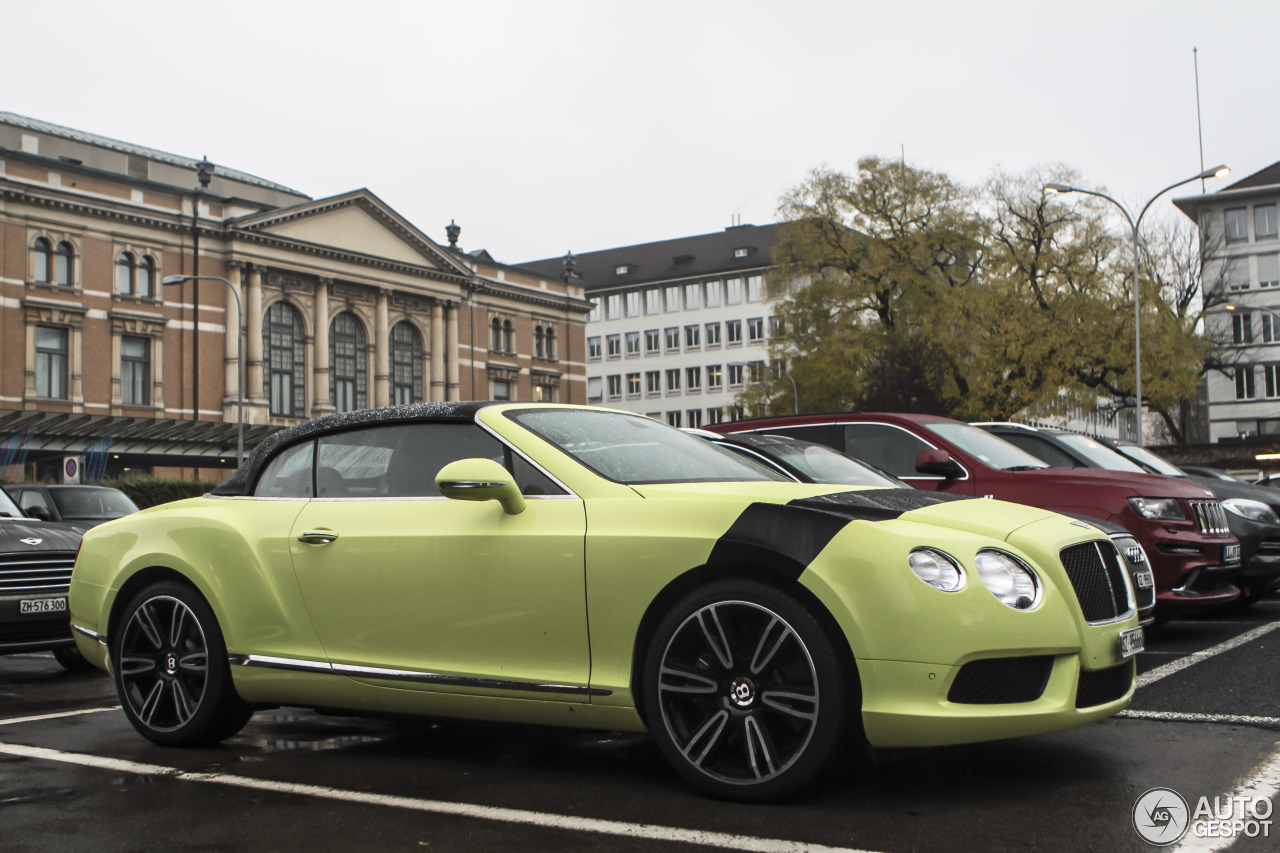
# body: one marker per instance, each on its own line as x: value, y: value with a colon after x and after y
x: 469, y: 598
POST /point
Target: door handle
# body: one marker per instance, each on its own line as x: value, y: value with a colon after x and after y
x: 318, y: 537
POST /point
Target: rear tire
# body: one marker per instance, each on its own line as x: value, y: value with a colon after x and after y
x: 745, y: 692
x: 171, y: 669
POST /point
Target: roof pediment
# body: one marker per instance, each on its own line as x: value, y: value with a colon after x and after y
x: 357, y: 222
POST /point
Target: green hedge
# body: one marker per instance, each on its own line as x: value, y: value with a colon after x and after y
x: 149, y: 491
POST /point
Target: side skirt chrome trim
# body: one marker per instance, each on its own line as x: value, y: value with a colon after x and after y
x: 410, y: 675
x: 92, y: 635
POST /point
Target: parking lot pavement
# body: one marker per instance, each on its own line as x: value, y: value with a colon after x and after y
x: 75, y: 776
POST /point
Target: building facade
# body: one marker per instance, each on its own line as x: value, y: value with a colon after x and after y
x: 677, y: 327
x: 1242, y: 268
x: 347, y: 305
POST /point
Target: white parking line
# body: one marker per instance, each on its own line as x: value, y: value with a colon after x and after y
x: 547, y: 820
x: 1180, y: 664
x: 41, y: 717
x: 1179, y: 717
x: 1264, y: 781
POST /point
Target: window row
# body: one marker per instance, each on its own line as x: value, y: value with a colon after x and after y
x: 1237, y: 223
x: 136, y: 275
x: 678, y: 297
x: 673, y: 339
x: 1240, y: 276
x: 1247, y: 385
x: 284, y: 369
x: 502, y: 338
x: 690, y: 380
x: 1242, y: 328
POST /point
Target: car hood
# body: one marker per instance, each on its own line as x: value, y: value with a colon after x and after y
x: 1225, y: 489
x: 52, y: 535
x: 1142, y: 485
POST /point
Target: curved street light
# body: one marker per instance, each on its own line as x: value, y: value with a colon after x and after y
x: 1215, y: 172
x: 181, y: 279
x: 795, y: 393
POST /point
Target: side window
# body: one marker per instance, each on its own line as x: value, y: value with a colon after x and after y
x: 288, y: 475
x: 1042, y: 450
x: 28, y: 498
x: 530, y: 480
x: 892, y: 449
x: 399, y: 461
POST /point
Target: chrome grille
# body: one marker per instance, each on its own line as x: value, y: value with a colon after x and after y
x: 1098, y: 579
x: 39, y: 573
x: 1211, y: 518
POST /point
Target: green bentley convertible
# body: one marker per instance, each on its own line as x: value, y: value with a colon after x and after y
x: 572, y: 566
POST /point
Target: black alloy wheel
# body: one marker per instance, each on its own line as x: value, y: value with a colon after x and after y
x: 171, y: 669
x: 744, y: 691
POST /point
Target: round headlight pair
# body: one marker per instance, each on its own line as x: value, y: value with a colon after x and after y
x: 1007, y: 578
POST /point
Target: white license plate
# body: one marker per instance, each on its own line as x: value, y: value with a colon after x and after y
x: 1131, y: 642
x: 42, y: 605
x: 1143, y: 580
x: 1231, y: 553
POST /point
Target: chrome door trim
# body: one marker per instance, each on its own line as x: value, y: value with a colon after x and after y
x: 297, y: 665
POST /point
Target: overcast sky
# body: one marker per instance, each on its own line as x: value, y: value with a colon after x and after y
x: 547, y: 125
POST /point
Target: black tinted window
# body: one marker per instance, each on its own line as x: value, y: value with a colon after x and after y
x: 893, y: 449
x: 398, y: 461
x: 288, y: 475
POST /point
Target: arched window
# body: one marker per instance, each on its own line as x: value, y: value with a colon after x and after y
x: 126, y: 272
x: 551, y: 343
x: 285, y: 378
x: 62, y: 264
x: 406, y: 364
x: 147, y: 276
x: 496, y: 343
x: 41, y: 254
x: 508, y: 336
x: 348, y: 364
x: 537, y: 342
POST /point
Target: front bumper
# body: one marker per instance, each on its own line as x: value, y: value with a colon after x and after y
x: 910, y: 704
x: 33, y: 632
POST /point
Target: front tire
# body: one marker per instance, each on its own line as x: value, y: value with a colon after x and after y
x: 171, y: 669
x: 745, y: 692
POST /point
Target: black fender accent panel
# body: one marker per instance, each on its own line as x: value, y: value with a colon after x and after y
x: 787, y: 537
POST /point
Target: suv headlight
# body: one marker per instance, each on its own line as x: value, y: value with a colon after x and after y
x: 1165, y: 508
x: 1252, y: 510
x: 936, y: 569
x: 1008, y: 578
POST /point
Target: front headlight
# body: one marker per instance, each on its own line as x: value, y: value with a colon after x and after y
x: 936, y: 569
x: 1165, y: 508
x: 1252, y: 510
x: 1009, y: 580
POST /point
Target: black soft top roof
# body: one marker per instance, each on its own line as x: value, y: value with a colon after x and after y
x: 242, y: 481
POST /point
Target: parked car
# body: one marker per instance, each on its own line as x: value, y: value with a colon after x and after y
x: 807, y: 462
x: 89, y: 505
x: 1253, y: 514
x: 35, y: 570
x: 1182, y: 527
x: 578, y: 566
x: 1215, y: 473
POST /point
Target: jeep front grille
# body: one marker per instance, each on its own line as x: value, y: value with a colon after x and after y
x: 1211, y: 518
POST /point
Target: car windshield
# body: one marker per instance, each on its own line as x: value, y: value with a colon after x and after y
x: 633, y: 449
x: 991, y: 449
x: 1145, y: 457
x: 1099, y: 454
x: 9, y: 509
x: 92, y: 503
x: 824, y: 465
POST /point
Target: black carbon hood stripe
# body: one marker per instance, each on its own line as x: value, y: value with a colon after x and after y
x: 787, y: 537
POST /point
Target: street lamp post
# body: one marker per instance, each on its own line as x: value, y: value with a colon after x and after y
x: 1215, y: 172
x: 181, y: 279
x: 795, y: 394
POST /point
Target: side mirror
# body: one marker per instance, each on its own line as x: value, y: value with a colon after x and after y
x: 38, y: 512
x: 480, y: 480
x: 938, y: 462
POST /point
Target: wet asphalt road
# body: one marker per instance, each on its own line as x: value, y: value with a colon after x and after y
x: 296, y: 780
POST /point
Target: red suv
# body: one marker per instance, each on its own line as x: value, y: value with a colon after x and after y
x: 1183, y: 528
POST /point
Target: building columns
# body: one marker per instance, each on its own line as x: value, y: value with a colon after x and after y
x: 320, y: 376
x: 257, y: 395
x: 437, y: 352
x: 381, y: 352
x: 231, y: 340
x: 451, y: 351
